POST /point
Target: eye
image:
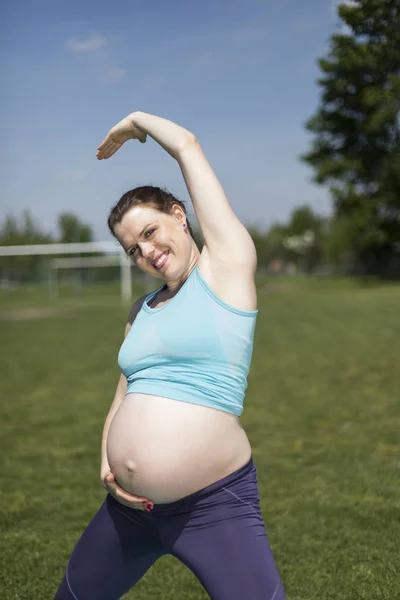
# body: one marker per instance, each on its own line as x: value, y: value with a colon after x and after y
x: 148, y: 234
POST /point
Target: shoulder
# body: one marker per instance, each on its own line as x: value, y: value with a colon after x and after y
x: 136, y: 306
x: 232, y: 283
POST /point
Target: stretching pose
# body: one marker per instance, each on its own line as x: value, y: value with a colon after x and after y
x: 176, y: 462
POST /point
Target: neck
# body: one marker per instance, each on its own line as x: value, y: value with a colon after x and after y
x: 175, y: 285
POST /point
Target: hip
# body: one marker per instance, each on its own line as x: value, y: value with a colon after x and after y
x: 238, y: 490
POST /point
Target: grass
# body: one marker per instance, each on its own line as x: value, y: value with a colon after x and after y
x: 37, y: 295
x: 321, y: 412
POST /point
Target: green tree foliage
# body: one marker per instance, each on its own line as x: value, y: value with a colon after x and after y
x: 72, y: 230
x: 16, y: 232
x: 303, y: 220
x: 271, y: 244
x: 20, y: 232
x: 23, y: 231
x: 356, y: 146
x: 266, y: 249
x: 198, y: 237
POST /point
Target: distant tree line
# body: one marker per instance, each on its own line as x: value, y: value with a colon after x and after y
x: 270, y: 244
x: 308, y: 242
x: 24, y: 231
x: 355, y: 151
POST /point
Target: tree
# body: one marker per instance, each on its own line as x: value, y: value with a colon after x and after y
x: 72, y: 230
x: 23, y: 231
x: 276, y: 243
x: 304, y: 224
x: 17, y: 232
x: 356, y: 148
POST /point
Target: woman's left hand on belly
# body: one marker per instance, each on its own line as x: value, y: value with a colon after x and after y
x: 124, y: 497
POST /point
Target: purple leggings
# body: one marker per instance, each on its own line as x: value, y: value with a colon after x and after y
x: 217, y: 532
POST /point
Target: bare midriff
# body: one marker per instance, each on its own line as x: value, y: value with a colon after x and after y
x: 166, y: 449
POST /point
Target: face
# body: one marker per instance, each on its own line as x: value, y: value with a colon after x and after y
x: 156, y: 242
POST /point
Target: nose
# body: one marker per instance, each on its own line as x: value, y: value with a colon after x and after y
x: 147, y: 251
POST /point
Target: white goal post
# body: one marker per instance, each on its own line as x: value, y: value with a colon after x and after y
x: 111, y: 248
x: 79, y: 262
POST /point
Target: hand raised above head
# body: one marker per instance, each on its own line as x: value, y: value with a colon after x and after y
x: 121, y: 132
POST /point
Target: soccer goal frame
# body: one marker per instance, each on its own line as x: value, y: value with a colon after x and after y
x: 113, y: 249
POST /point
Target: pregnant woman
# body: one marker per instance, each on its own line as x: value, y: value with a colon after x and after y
x: 176, y: 461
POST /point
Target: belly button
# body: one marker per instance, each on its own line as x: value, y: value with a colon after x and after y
x: 130, y: 465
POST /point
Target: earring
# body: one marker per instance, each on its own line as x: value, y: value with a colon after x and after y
x: 184, y: 225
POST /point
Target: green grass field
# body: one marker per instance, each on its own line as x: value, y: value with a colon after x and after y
x: 322, y: 412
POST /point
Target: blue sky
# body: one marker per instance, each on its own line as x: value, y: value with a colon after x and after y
x: 240, y: 74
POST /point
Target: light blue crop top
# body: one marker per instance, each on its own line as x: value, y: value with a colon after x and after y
x: 195, y: 348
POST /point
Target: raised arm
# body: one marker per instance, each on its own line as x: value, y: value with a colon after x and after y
x: 225, y: 237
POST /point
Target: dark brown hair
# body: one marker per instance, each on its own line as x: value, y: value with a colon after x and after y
x: 155, y: 197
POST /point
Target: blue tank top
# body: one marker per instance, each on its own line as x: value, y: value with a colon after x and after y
x: 195, y: 348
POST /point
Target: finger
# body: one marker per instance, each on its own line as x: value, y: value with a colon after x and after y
x: 131, y: 497
x: 109, y: 484
x: 106, y: 148
x: 127, y: 493
x: 127, y: 496
x: 110, y: 149
x: 109, y: 487
x: 143, y: 506
x: 103, y: 143
x: 109, y: 143
x: 135, y: 503
x: 106, y: 153
x: 130, y: 504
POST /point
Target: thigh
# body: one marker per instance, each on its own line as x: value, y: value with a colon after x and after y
x: 113, y: 553
x: 226, y: 546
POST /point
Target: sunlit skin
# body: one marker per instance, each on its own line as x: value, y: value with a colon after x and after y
x: 218, y: 224
x: 145, y: 233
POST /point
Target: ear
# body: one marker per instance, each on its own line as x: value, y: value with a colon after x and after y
x: 178, y: 214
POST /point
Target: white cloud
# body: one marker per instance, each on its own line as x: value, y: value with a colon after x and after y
x: 99, y: 52
x: 91, y: 43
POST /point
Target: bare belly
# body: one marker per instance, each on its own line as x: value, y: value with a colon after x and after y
x: 165, y: 449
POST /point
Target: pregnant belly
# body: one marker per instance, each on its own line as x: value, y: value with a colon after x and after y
x: 165, y: 449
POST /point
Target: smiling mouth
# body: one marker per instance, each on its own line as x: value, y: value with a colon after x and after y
x: 161, y: 261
